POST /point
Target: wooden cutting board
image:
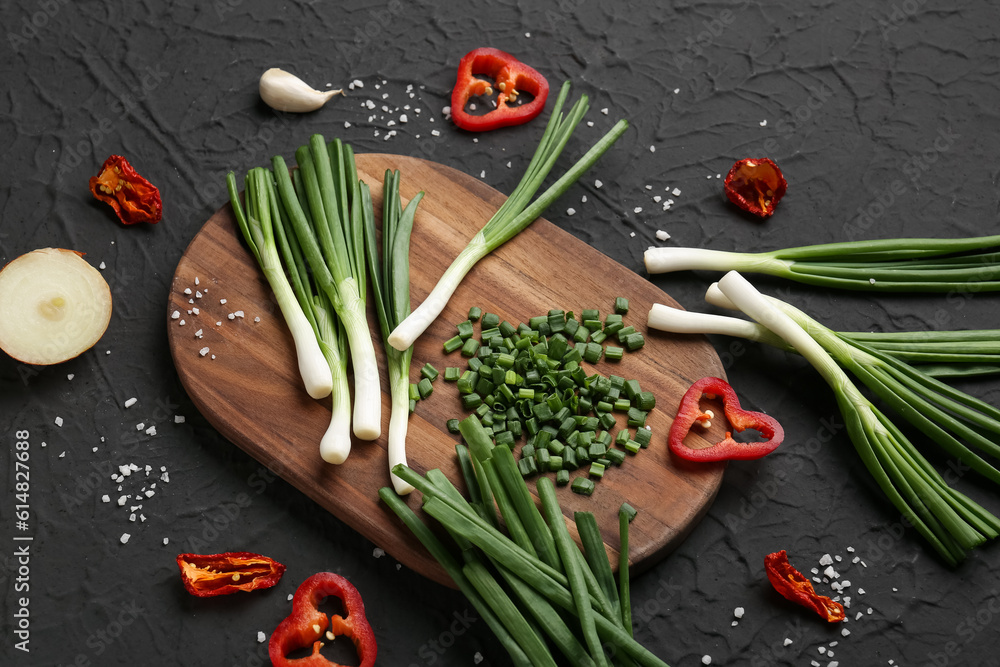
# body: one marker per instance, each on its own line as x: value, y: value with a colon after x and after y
x: 247, y: 386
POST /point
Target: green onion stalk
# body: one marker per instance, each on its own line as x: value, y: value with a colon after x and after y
x: 890, y: 265
x: 390, y: 278
x: 939, y: 354
x: 516, y: 213
x: 949, y: 520
x: 331, y: 237
x: 258, y: 231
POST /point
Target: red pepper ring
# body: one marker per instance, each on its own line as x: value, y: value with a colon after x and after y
x: 208, y: 575
x: 132, y: 197
x: 306, y: 624
x: 510, y: 77
x: 727, y: 449
x: 794, y: 586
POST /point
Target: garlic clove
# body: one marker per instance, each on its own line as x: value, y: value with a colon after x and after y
x: 284, y: 91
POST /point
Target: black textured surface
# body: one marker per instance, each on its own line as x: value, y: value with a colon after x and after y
x: 890, y: 110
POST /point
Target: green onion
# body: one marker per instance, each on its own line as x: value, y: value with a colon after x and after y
x: 332, y: 244
x: 391, y: 287
x: 568, y: 553
x: 454, y: 570
x: 949, y: 520
x: 271, y: 232
x: 258, y: 232
x: 516, y: 213
x: 892, y: 265
x: 625, y: 515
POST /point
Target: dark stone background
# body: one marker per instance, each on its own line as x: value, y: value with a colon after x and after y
x: 883, y: 116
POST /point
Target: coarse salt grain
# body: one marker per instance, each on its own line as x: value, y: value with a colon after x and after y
x: 105, y: 498
x: 377, y: 552
x: 151, y: 430
x: 179, y: 419
x: 174, y: 315
x: 662, y: 235
x: 676, y: 192
x: 570, y: 211
x: 130, y: 402
x: 261, y: 637
x: 125, y: 537
x: 637, y: 209
x: 787, y: 642
x: 598, y: 184
x: 738, y: 612
x: 706, y: 660
x: 203, y: 351
x: 826, y: 560
x: 59, y: 422
x: 102, y: 266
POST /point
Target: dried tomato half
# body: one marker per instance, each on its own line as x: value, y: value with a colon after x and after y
x: 132, y: 197
x: 208, y: 575
x: 794, y: 586
x: 756, y: 185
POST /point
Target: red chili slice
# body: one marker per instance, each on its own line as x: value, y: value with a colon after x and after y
x: 727, y: 449
x: 306, y: 624
x: 510, y: 77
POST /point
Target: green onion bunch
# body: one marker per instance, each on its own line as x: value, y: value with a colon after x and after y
x: 963, y: 426
x: 541, y: 595
x: 319, y: 340
x: 323, y: 200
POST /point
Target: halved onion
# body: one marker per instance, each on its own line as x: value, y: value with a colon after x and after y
x: 53, y: 306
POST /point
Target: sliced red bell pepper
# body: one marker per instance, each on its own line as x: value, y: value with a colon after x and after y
x: 727, y: 449
x: 794, y: 586
x: 510, y: 77
x: 208, y: 575
x: 132, y: 197
x: 306, y: 624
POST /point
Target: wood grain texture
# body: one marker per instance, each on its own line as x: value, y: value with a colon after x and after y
x: 248, y: 388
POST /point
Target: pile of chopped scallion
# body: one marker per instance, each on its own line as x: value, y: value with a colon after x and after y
x: 528, y: 381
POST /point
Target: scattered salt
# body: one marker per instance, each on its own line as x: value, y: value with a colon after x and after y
x: 570, y: 211
x: 377, y: 552
x: 174, y: 315
x: 662, y: 235
x: 203, y: 351
x: 826, y: 560
x: 59, y: 421
x: 125, y: 537
x: 598, y: 184
x: 130, y: 402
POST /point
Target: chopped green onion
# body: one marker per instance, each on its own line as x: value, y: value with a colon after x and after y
x: 621, y: 305
x: 612, y: 353
x: 583, y: 486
